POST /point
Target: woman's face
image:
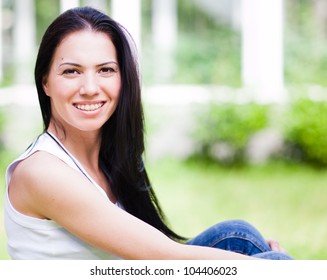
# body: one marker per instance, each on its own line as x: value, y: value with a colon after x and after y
x: 84, y: 81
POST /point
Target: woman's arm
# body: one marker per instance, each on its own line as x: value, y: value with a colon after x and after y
x: 49, y: 188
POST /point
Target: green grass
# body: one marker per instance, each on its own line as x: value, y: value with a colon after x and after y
x: 5, y: 158
x: 3, y: 252
x: 284, y: 202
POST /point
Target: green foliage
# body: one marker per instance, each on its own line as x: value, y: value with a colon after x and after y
x: 305, y: 60
x: 305, y: 44
x: 224, y: 130
x: 207, y: 51
x: 212, y: 58
x: 306, y: 130
x: 46, y: 11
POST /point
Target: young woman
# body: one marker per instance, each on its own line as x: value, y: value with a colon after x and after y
x: 81, y: 191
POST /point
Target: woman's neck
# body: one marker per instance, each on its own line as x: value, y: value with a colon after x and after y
x: 83, y: 145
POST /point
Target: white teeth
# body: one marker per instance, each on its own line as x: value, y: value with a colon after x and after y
x: 88, y: 107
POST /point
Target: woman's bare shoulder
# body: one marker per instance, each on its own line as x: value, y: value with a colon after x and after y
x: 32, y: 165
x: 37, y: 180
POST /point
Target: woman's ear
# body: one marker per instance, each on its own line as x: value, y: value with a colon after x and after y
x: 45, y: 85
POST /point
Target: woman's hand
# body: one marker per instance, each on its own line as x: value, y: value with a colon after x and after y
x: 275, y: 246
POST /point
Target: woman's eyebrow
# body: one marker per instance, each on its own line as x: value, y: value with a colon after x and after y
x: 70, y: 64
x: 108, y: 62
x: 78, y: 65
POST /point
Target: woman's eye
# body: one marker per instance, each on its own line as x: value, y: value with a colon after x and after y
x: 70, y: 72
x: 107, y: 70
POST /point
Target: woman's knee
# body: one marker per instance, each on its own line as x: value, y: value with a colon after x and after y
x: 238, y: 226
x: 240, y: 232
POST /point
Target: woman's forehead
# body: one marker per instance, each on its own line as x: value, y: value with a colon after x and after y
x: 86, y: 45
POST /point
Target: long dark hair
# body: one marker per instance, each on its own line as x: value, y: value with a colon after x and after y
x: 122, y: 142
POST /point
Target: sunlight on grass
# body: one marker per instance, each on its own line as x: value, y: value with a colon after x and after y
x: 6, y: 157
x: 3, y: 251
x: 284, y: 202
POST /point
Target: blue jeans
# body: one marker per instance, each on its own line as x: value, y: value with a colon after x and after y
x: 240, y: 237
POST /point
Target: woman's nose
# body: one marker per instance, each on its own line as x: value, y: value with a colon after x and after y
x: 89, y: 85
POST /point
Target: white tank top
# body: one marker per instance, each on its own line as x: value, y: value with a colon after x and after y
x: 31, y: 238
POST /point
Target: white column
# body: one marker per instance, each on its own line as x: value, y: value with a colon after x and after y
x: 24, y: 40
x: 128, y: 14
x: 68, y: 4
x: 262, y: 48
x: 164, y: 34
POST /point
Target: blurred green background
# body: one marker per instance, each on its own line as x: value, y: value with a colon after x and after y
x: 212, y: 153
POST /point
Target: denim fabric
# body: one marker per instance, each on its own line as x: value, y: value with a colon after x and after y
x: 237, y: 236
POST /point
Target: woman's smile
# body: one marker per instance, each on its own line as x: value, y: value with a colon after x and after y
x: 87, y: 107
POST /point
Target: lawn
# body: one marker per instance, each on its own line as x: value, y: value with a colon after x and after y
x: 3, y: 252
x: 285, y: 202
x: 4, y: 160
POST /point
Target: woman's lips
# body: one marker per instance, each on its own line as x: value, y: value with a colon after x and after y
x: 88, y: 107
